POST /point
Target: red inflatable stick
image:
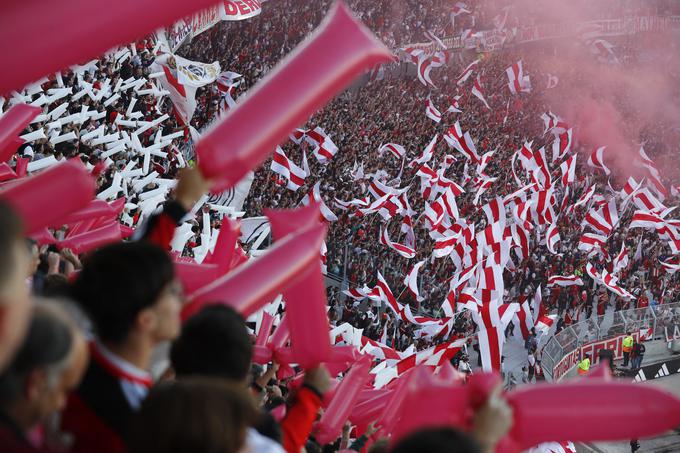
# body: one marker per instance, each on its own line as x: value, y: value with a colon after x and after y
x: 339, y: 50
x: 32, y: 56
x: 22, y: 166
x: 11, y: 124
x: 195, y: 276
x: 369, y: 410
x: 48, y: 197
x: 281, y: 334
x: 43, y: 237
x: 92, y: 239
x: 589, y: 410
x: 306, y: 303
x: 265, y: 328
x: 339, y: 408
x: 6, y: 172
x: 93, y: 211
x: 257, y: 282
x: 226, y: 245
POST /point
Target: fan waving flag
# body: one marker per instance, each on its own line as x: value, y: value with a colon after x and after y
x: 596, y: 160
x: 477, y: 90
x: 287, y: 168
x: 411, y: 281
x: 431, y: 111
x: 406, y: 252
x: 517, y: 81
x: 397, y: 151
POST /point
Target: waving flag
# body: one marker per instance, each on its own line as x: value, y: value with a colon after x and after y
x: 287, y: 168
x: 324, y: 149
x: 565, y: 280
x: 562, y: 145
x: 429, y: 34
x: 411, y: 281
x: 431, y: 111
x: 552, y: 238
x: 517, y: 81
x: 397, y: 151
x: 406, y: 252
x: 461, y: 142
x: 467, y: 72
x: 596, y: 160
x: 427, y: 154
x: 552, y: 82
x: 477, y: 90
x: 568, y: 168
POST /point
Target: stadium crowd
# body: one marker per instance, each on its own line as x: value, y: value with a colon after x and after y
x: 78, y: 376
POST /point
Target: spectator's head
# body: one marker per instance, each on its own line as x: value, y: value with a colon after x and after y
x: 437, y: 440
x: 129, y: 291
x: 199, y: 415
x: 214, y: 342
x: 14, y: 291
x: 48, y: 366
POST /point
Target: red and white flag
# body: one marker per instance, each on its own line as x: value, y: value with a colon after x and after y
x: 477, y: 90
x: 467, y: 72
x: 427, y: 154
x: 568, y: 168
x: 462, y: 142
x: 552, y: 238
x: 495, y: 212
x: 411, y: 281
x: 397, y: 151
x: 565, y: 280
x: 406, y: 252
x: 596, y: 160
x: 316, y: 194
x: 562, y: 145
x: 287, y: 168
x: 431, y: 111
x: 524, y: 321
x: 492, y: 318
x: 455, y: 104
x: 621, y: 260
x: 552, y: 82
x: 324, y: 148
x: 517, y: 81
x: 429, y: 34
x: 591, y: 241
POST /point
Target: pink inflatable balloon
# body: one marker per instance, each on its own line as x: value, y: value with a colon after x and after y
x: 23, y: 24
x: 265, y: 328
x: 93, y: 211
x: 11, y: 124
x: 303, y: 82
x: 347, y: 393
x: 281, y: 334
x: 306, y: 303
x: 226, y: 245
x: 343, y: 354
x: 256, y: 283
x: 194, y: 276
x: 631, y: 411
x: 92, y: 239
x: 126, y: 231
x: 118, y: 205
x: 48, y: 197
x: 80, y: 227
x: 369, y: 410
x: 261, y: 354
x: 6, y: 172
x: 22, y: 166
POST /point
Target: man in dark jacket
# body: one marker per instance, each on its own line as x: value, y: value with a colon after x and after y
x: 638, y: 353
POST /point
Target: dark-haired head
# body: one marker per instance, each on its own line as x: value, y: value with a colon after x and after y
x: 214, y: 342
x: 437, y: 440
x: 129, y: 287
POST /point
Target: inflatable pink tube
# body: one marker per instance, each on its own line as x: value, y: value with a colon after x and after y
x: 22, y: 166
x: 194, y: 276
x: 48, y: 197
x: 281, y: 334
x: 92, y: 239
x: 369, y: 410
x: 303, y: 82
x: 44, y: 237
x: 70, y: 42
x: 6, y: 172
x: 631, y: 411
x: 338, y: 410
x: 226, y: 245
x: 11, y: 124
x: 265, y: 328
x: 93, y: 211
x: 256, y: 283
x: 80, y: 227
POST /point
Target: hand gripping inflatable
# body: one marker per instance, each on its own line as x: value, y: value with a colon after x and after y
x: 303, y: 82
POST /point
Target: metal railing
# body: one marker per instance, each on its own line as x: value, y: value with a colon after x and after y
x: 651, y: 320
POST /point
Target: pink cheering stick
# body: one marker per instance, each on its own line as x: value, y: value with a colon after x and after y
x: 11, y: 124
x: 257, y: 282
x: 306, y: 303
x: 6, y: 172
x: 44, y: 237
x: 92, y: 239
x: 225, y: 246
x: 93, y: 211
x: 265, y: 328
x: 339, y: 50
x: 22, y: 166
x: 588, y: 410
x: 195, y: 276
x: 342, y: 404
x: 71, y: 41
x: 48, y: 197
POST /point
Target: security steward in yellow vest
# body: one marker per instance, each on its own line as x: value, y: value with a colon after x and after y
x: 627, y: 348
x: 584, y: 366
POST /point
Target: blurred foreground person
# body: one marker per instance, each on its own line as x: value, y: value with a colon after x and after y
x: 198, y: 415
x: 131, y: 295
x: 49, y: 365
x: 14, y: 290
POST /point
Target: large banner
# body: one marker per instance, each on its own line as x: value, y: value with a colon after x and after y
x: 240, y: 9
